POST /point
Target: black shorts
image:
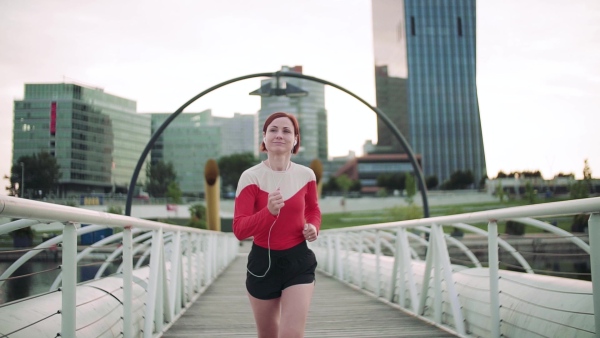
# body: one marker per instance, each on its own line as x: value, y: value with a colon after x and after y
x: 288, y: 267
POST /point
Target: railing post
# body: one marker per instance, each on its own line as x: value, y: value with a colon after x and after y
x: 594, y: 233
x: 397, y: 266
x: 429, y: 258
x: 175, y: 278
x: 127, y: 282
x: 153, y: 298
x: 338, y: 257
x: 207, y: 257
x: 493, y: 266
x: 189, y: 282
x: 360, y: 259
x: 445, y: 265
x: 434, y: 237
x: 330, y: 257
x: 378, y: 263
x: 199, y: 254
x: 69, y: 281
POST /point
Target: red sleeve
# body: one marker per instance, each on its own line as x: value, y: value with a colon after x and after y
x: 312, y: 212
x: 247, y: 221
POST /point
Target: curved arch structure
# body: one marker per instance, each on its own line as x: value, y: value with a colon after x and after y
x: 277, y: 75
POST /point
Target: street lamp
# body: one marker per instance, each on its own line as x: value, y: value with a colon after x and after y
x: 277, y: 90
x: 22, y: 179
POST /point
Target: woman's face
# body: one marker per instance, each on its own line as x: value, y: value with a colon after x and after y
x: 280, y: 136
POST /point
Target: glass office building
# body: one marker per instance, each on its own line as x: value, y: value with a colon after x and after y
x: 432, y: 44
x: 95, y: 137
x: 191, y: 139
x: 309, y: 110
x: 187, y: 143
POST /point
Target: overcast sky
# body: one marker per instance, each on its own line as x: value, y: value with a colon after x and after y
x: 538, y: 65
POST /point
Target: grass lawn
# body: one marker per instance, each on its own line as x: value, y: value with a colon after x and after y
x: 349, y: 219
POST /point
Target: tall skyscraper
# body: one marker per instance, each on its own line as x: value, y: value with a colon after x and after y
x: 391, y: 95
x: 95, y: 137
x: 309, y: 110
x: 432, y: 44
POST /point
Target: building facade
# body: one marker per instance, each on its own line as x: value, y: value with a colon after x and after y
x: 432, y: 45
x: 309, y: 110
x: 187, y: 143
x: 95, y: 137
x: 369, y: 167
x: 192, y: 139
x: 239, y: 134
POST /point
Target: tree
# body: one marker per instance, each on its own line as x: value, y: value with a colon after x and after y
x: 411, y: 188
x: 344, y: 182
x: 500, y: 191
x: 581, y: 189
x: 530, y: 192
x: 174, y: 193
x: 391, y: 182
x: 356, y: 186
x: 197, y: 216
x: 41, y: 175
x: 459, y: 180
x: 159, y: 176
x: 331, y: 186
x: 231, y: 168
x: 587, y: 171
x: 431, y: 182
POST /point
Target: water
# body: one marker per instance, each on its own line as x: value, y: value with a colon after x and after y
x: 43, y: 273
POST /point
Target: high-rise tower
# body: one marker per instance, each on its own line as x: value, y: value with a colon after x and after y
x: 309, y: 110
x: 432, y: 44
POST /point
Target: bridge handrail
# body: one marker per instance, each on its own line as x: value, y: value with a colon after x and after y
x: 362, y: 256
x: 184, y: 261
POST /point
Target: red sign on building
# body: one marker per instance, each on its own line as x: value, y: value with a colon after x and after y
x: 53, y: 118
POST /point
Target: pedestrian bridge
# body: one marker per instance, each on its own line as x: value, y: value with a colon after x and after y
x: 397, y: 279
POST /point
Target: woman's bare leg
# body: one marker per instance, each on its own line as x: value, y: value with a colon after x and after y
x: 266, y: 314
x: 295, y: 302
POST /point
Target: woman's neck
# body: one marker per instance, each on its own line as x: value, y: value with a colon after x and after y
x: 278, y: 164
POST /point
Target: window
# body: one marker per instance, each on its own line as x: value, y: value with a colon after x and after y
x: 412, y: 26
x: 459, y: 26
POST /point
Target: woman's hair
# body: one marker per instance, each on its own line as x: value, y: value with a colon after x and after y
x: 292, y: 118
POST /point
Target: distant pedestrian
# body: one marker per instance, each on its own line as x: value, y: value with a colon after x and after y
x: 276, y: 203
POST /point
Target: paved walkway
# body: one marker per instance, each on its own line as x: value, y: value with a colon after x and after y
x: 337, y: 310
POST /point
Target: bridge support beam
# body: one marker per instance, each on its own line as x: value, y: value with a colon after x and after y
x: 69, y: 281
x: 594, y: 233
x: 493, y: 266
x: 127, y: 282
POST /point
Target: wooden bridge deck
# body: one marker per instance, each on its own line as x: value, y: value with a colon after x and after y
x: 337, y: 310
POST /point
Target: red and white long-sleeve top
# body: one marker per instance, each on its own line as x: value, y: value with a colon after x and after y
x: 298, y: 186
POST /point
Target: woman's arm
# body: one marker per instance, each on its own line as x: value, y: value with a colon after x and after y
x: 312, y: 212
x: 245, y: 220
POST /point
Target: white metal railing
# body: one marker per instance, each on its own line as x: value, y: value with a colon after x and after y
x: 469, y: 299
x: 144, y: 299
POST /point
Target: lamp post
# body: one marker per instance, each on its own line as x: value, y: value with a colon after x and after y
x: 22, y: 179
x: 275, y: 89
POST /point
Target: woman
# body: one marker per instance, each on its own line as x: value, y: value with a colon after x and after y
x: 276, y: 204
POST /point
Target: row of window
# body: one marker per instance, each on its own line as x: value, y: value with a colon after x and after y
x: 431, y: 30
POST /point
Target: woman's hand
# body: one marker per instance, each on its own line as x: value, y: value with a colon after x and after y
x: 275, y: 202
x: 310, y: 232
